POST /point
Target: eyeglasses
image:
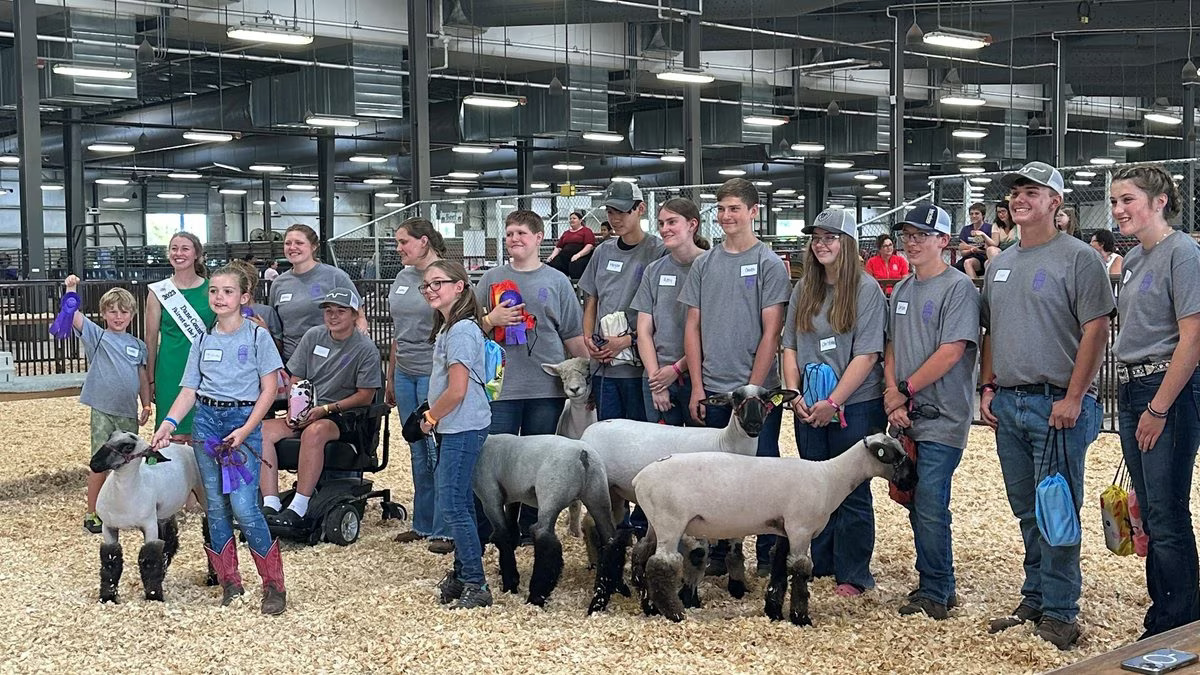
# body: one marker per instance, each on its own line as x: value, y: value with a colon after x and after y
x: 826, y: 240
x: 435, y: 285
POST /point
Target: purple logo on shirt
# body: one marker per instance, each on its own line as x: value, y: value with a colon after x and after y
x: 1039, y: 279
x: 543, y: 294
x: 315, y: 291
x: 345, y: 361
x: 243, y: 353
x: 927, y: 311
x: 637, y: 272
x: 751, y: 280
x: 1147, y: 282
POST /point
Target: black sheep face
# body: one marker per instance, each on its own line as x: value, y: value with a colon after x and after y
x: 751, y: 405
x: 887, y: 450
x: 122, y: 447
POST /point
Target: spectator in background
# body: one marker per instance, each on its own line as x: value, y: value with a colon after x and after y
x: 1005, y: 232
x: 606, y: 231
x: 1106, y: 245
x: 574, y: 248
x: 972, y: 242
x: 887, y: 265
x: 271, y: 271
x: 1067, y: 220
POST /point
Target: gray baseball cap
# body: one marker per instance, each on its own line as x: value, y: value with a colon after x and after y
x: 342, y: 297
x: 1037, y: 172
x: 622, y: 196
x: 834, y: 220
x: 927, y: 217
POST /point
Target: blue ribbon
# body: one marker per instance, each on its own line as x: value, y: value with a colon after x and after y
x: 234, y: 473
x: 61, y: 328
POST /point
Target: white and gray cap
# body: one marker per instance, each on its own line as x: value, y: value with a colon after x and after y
x: 1036, y: 172
x: 342, y: 297
x: 834, y: 220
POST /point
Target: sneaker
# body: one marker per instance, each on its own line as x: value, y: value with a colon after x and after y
x: 407, y: 537
x: 442, y: 546
x: 1019, y: 616
x: 92, y: 523
x: 954, y: 601
x: 716, y: 568
x: 450, y: 588
x: 474, y: 595
x: 933, y: 609
x: 1058, y: 633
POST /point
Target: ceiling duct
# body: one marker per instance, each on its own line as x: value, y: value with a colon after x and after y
x: 656, y: 46
x: 455, y: 22
x: 845, y: 134
x: 286, y: 100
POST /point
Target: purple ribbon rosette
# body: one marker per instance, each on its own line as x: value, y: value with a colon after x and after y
x: 232, y: 461
x: 61, y: 328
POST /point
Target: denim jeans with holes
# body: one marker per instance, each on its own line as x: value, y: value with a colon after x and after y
x: 243, y: 502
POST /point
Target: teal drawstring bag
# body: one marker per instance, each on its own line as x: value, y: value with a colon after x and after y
x: 1054, y: 501
x: 819, y: 382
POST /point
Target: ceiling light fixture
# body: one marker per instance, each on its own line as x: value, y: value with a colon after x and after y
x: 964, y: 99
x: 1086, y: 174
x: 175, y: 195
x: 763, y: 183
x: 267, y: 168
x: 302, y: 187
x: 673, y: 156
x: 380, y: 180
x: 387, y: 195
x: 1177, y: 176
x: 785, y: 191
x: 259, y: 202
x: 971, y: 169
x: 464, y: 174
x: 368, y: 159
x: 539, y: 186
x: 874, y: 186
x: 1082, y: 183
x: 92, y: 72
x: 231, y: 191
x: 603, y: 136
x: 965, y: 132
x: 972, y: 155
x: 202, y: 136
x: 707, y: 195
x: 866, y: 177
x: 838, y: 164
x: 493, y: 100
x: 885, y: 193
x: 562, y: 166
x: 51, y: 187
x: 275, y: 33
x: 1129, y: 143
x: 473, y: 149
x: 808, y: 147
x: 394, y: 205
x: 686, y: 75
x: 112, y: 181
x: 764, y: 120
x: 956, y: 39
x: 624, y: 179
x: 111, y: 147
x: 9, y: 159
x: 981, y: 180
x: 184, y: 175
x: 1159, y: 113
x: 457, y: 191
x: 1102, y: 161
x: 115, y: 200
x: 330, y: 121
x: 732, y: 172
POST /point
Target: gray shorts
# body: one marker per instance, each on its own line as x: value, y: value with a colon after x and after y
x: 103, y: 425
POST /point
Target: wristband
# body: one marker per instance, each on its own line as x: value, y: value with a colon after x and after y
x: 487, y: 323
x: 170, y: 419
x: 1154, y: 413
x: 990, y: 386
x: 430, y: 419
x: 836, y: 407
x: 145, y: 407
x: 678, y: 372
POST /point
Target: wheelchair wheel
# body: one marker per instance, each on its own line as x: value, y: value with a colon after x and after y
x: 394, y: 510
x: 342, y: 525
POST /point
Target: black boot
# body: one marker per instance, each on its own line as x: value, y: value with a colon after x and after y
x: 112, y: 562
x: 152, y: 565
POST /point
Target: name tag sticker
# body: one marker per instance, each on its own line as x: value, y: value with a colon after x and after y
x: 615, y: 265
x: 212, y: 354
x: 133, y: 352
x: 285, y: 297
x: 749, y: 270
x: 902, y: 308
x: 1128, y: 273
x: 1001, y: 276
x: 666, y: 280
x: 828, y: 344
x: 401, y: 290
x: 321, y: 351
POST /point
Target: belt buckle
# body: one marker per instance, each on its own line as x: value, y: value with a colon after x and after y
x: 1122, y: 374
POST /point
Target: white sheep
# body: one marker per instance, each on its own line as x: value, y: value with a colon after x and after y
x: 627, y: 447
x: 703, y: 495
x: 577, y: 415
x: 145, y: 491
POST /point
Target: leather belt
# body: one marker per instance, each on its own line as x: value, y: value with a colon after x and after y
x: 1126, y: 372
x: 1043, y: 389
x: 214, y: 403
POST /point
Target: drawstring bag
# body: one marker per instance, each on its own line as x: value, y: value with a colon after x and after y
x: 1114, y: 513
x: 1141, y: 540
x: 1054, y: 504
x: 819, y: 382
x: 617, y: 325
x: 493, y: 368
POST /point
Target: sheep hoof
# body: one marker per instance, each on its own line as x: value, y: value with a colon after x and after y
x: 648, y: 607
x: 621, y: 587
x: 538, y: 600
x: 737, y: 588
x: 690, y: 597
x: 676, y: 617
x: 774, y: 612
x: 109, y: 597
x: 800, y: 619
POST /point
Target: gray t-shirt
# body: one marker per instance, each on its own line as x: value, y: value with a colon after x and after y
x: 558, y: 317
x: 294, y: 297
x: 114, y: 361
x: 1035, y: 302
x: 269, y: 317
x: 731, y: 290
x: 612, y: 277
x: 924, y: 316
x: 337, y: 369
x: 658, y: 296
x: 461, y: 343
x: 228, y: 367
x: 412, y: 322
x: 823, y: 345
x: 1158, y: 288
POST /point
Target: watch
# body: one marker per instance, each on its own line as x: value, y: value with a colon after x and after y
x: 903, y: 388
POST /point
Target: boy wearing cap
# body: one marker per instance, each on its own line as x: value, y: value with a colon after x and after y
x: 610, y: 281
x: 344, y: 368
x: 736, y: 294
x: 1039, y: 392
x: 929, y: 362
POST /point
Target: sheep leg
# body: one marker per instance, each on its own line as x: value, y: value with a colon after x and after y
x: 573, y: 518
x: 112, y: 562
x: 618, y: 514
x: 637, y: 570
x: 547, y: 555
x: 603, y: 535
x: 735, y: 562
x: 695, y: 554
x: 210, y: 577
x: 662, y: 577
x: 168, y: 531
x: 591, y: 540
x: 151, y: 559
x: 801, y: 568
x: 777, y: 586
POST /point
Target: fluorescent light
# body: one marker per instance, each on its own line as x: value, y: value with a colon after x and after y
x: 867, y: 177
x: 368, y: 159
x: 1086, y: 174
x: 51, y: 187
x: 9, y: 159
x: 267, y: 168
x: 115, y: 200
x: 266, y: 32
x: 259, y: 202
x: 184, y: 175
x: 874, y: 186
x: 539, y: 186
x: 1129, y: 143
x: 568, y: 167
x: 330, y: 121
x: 763, y: 183
x: 111, y: 181
x: 1082, y: 183
x: 981, y: 180
x: 208, y: 136
x: 971, y: 169
x: 707, y: 195
x: 175, y: 195
x: 1177, y: 176
x: 1162, y: 118
x: 837, y: 207
x: 316, y: 198
x: 624, y: 179
x: 473, y: 149
x: 394, y: 205
x: 686, y: 76
x: 1067, y: 191
x: 386, y: 195
x: 972, y: 155
x: 964, y: 132
x: 808, y: 147
x: 377, y: 181
x: 673, y: 156
x: 458, y: 201
x: 963, y: 100
x: 760, y: 120
x: 468, y: 175
x: 838, y: 164
x: 777, y: 209
x: 885, y: 193
x: 231, y: 191
x: 93, y: 72
x: 603, y: 136
x: 956, y: 39
x: 301, y: 187
x: 732, y: 172
x: 111, y: 147
x: 506, y: 206
x: 457, y: 191
x: 493, y: 100
x: 1102, y: 161
x: 785, y: 191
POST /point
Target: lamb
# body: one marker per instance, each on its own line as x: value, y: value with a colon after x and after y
x: 701, y: 495
x: 144, y: 495
x: 577, y: 385
x: 547, y: 472
x: 627, y: 447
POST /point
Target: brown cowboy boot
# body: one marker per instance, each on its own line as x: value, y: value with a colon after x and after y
x: 270, y: 568
x: 225, y: 564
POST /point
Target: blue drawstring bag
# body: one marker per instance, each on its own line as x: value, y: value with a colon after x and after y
x: 1054, y: 503
x: 819, y: 382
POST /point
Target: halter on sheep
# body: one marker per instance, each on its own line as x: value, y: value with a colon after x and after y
x: 701, y: 495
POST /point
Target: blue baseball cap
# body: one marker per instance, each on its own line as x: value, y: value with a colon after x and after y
x: 927, y: 217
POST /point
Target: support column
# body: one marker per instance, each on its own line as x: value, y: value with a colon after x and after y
x: 525, y: 175
x: 896, y: 101
x: 266, y: 207
x: 814, y: 189
x: 418, y: 89
x: 76, y: 209
x: 1060, y: 107
x: 29, y: 136
x: 693, y: 169
x: 325, y: 187
x: 1189, y: 149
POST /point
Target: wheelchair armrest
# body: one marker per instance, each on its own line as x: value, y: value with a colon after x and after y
x: 368, y: 411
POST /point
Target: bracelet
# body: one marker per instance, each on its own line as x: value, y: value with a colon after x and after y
x: 678, y: 372
x: 1154, y: 413
x: 170, y: 419
x: 326, y: 409
x: 145, y: 407
x: 430, y: 419
x: 836, y: 407
x: 990, y: 386
x: 487, y: 323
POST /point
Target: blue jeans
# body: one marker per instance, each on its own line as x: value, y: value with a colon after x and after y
x: 243, y: 502
x: 716, y: 417
x: 618, y: 398
x: 843, y: 549
x: 929, y: 514
x: 1162, y: 478
x: 426, y: 521
x: 680, y: 395
x: 1052, y: 578
x: 456, y: 499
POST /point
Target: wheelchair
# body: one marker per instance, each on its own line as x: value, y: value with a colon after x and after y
x: 335, y: 511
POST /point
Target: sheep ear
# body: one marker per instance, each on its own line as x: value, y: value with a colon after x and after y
x: 551, y: 369
x: 718, y: 400
x: 781, y: 396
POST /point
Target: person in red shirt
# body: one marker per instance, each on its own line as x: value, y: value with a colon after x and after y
x: 886, y: 265
x: 574, y: 248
